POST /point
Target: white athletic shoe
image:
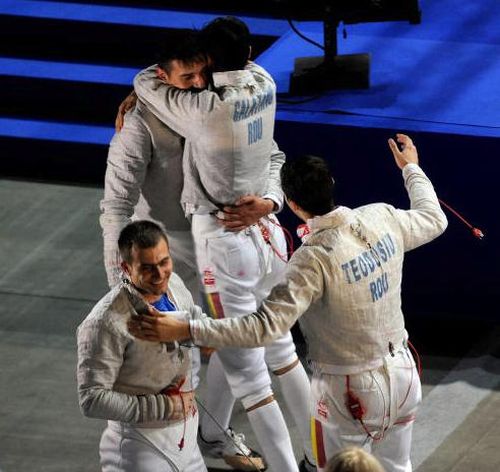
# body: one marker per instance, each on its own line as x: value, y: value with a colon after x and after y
x: 234, y: 451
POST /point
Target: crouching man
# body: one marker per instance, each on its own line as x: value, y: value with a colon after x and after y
x: 143, y: 389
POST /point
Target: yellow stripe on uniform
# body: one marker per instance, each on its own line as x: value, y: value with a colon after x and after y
x: 214, y: 305
x: 317, y: 442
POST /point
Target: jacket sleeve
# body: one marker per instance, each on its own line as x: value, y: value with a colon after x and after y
x: 100, y: 357
x: 180, y: 110
x: 274, y: 191
x: 303, y: 285
x: 128, y: 159
x: 425, y: 220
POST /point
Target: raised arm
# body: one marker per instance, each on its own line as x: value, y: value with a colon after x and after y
x: 425, y: 220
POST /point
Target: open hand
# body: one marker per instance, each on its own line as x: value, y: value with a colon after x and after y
x: 125, y: 106
x: 157, y: 327
x: 408, y: 153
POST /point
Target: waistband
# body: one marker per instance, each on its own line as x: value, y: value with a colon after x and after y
x: 192, y: 209
x: 336, y: 369
x: 119, y: 426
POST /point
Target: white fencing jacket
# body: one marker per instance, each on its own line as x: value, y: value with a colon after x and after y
x: 119, y: 376
x: 143, y: 181
x: 344, y: 283
x: 229, y: 135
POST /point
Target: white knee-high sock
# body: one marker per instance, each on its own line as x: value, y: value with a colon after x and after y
x: 272, y: 434
x: 296, y: 389
x: 219, y: 401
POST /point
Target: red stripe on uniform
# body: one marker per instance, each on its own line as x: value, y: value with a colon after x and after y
x: 320, y: 446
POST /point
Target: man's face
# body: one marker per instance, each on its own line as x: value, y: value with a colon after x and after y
x: 150, y: 269
x: 186, y: 76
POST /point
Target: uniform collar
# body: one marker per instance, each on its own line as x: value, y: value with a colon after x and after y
x: 236, y: 78
x: 341, y: 215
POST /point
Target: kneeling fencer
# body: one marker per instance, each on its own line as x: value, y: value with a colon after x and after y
x: 344, y: 286
x: 143, y: 389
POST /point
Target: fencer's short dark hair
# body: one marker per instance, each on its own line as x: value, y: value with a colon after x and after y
x: 142, y: 234
x: 227, y: 43
x: 183, y: 45
x: 307, y: 181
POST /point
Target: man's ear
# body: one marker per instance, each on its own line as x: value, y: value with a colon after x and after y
x: 125, y: 267
x: 249, y: 53
x: 293, y: 206
x: 162, y: 75
x: 304, y: 216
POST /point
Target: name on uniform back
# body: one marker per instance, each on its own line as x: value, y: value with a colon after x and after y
x: 366, y: 263
x: 250, y: 106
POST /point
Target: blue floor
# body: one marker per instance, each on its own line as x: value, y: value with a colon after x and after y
x: 442, y: 75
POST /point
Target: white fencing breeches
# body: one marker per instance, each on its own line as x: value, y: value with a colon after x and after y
x: 389, y: 395
x: 125, y: 448
x: 238, y: 271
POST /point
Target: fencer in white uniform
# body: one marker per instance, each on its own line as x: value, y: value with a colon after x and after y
x: 227, y: 153
x: 143, y: 181
x: 144, y: 389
